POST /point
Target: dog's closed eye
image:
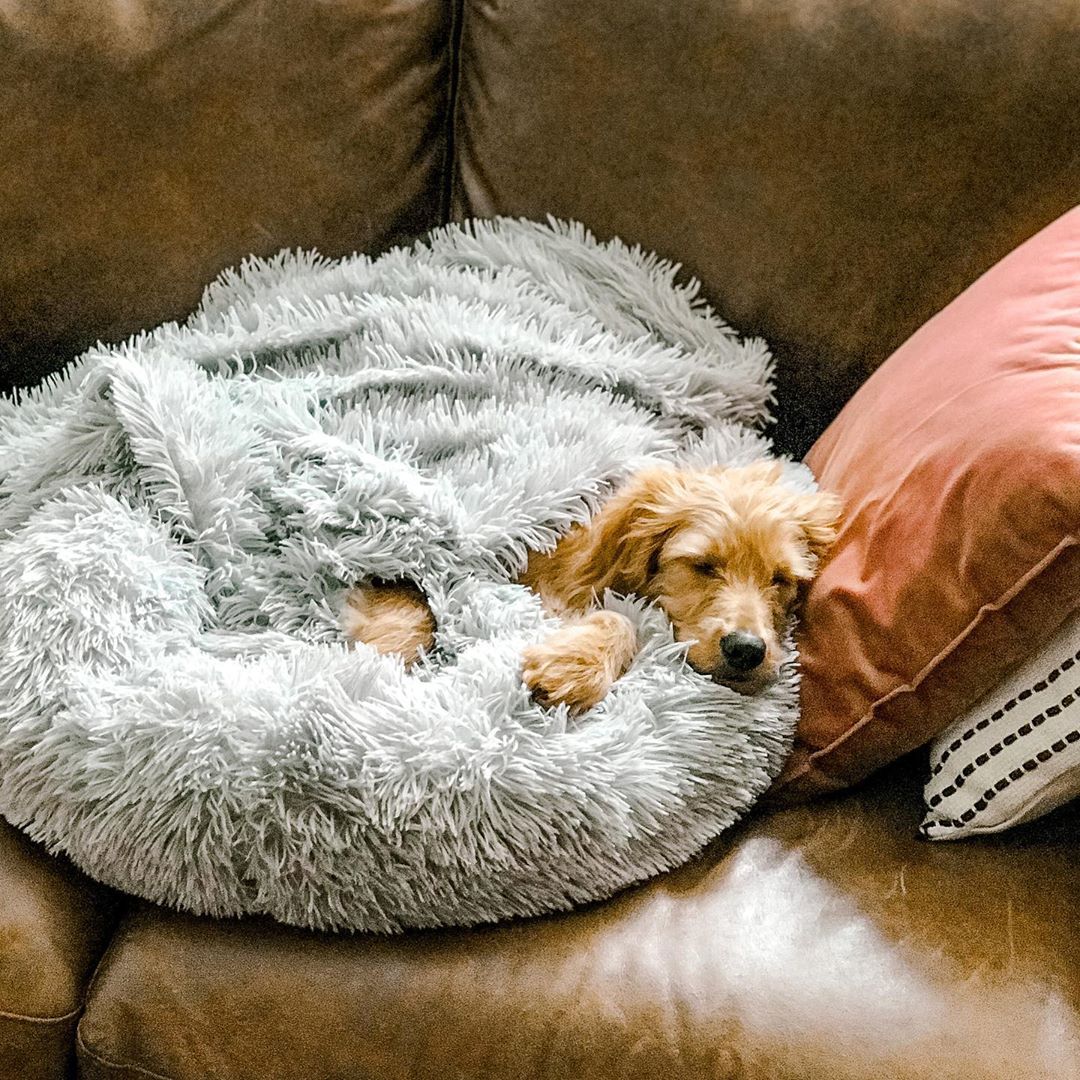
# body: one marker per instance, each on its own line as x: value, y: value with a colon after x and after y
x: 709, y: 569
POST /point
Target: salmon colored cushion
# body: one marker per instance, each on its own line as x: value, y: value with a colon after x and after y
x: 959, y: 465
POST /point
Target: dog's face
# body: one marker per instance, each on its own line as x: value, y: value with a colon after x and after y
x: 726, y: 553
x: 730, y: 570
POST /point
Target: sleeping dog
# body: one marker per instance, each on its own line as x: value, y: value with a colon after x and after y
x: 725, y: 552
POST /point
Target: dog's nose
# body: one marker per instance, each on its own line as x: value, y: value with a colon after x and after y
x: 742, y: 651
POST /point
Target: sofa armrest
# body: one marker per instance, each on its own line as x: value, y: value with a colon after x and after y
x: 54, y: 926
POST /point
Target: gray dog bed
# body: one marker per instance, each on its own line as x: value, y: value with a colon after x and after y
x: 182, y: 513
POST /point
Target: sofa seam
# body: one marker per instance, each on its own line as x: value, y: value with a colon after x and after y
x: 450, y: 123
x: 26, y: 1018
x: 73, y: 1014
x: 117, y: 933
x: 82, y: 1047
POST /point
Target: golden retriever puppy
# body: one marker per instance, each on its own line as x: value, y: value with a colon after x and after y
x: 725, y: 552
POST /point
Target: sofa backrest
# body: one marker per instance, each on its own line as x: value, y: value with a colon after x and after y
x: 145, y: 146
x: 833, y: 170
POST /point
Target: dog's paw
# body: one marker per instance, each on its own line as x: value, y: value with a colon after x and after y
x: 576, y: 665
x: 554, y: 678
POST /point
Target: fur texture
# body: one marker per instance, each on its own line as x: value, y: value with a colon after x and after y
x: 182, y: 515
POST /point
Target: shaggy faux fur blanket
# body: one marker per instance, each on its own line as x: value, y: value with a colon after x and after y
x: 181, y: 514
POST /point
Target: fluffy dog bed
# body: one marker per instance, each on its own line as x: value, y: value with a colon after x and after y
x: 182, y: 513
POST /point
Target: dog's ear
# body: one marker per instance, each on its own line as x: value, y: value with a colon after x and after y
x: 620, y: 546
x: 819, y: 518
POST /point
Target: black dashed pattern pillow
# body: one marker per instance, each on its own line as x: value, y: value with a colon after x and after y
x: 1015, y: 755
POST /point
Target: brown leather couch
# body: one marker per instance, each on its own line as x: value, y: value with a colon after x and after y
x: 834, y: 171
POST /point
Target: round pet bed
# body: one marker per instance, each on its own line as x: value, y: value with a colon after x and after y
x: 181, y: 515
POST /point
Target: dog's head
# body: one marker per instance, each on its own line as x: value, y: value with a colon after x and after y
x: 726, y: 553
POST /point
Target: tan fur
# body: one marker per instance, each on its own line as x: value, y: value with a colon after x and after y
x: 390, y: 618
x: 578, y: 663
x: 718, y: 549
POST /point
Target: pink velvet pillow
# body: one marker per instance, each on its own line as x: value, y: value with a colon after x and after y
x: 958, y: 463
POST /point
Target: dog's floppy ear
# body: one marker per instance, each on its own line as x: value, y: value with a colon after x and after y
x: 619, y: 547
x: 819, y: 517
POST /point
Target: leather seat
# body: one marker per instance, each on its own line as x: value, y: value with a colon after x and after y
x: 825, y: 941
x: 54, y: 924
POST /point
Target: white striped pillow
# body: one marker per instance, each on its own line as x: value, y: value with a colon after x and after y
x: 1015, y: 755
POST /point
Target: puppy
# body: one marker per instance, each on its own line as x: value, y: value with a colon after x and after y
x: 725, y: 552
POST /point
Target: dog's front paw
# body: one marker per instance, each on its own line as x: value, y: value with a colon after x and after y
x: 577, y: 664
x: 556, y: 678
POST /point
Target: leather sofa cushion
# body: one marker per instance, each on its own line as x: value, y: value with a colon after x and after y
x: 822, y: 941
x: 146, y: 146
x: 958, y: 463
x: 834, y: 171
x: 54, y: 926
